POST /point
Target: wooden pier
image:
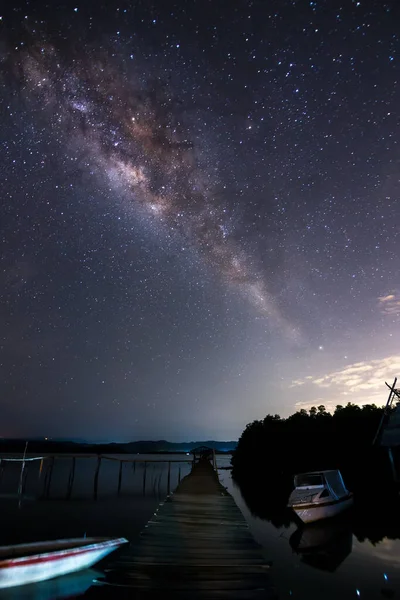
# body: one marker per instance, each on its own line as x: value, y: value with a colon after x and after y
x: 197, y: 545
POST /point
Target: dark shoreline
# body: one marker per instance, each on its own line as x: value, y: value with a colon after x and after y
x: 162, y: 447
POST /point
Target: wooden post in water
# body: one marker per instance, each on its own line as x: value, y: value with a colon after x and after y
x: 26, y: 471
x: 71, y: 478
x: 120, y: 477
x: 48, y: 477
x: 21, y: 477
x: 2, y: 465
x: 144, y: 478
x: 179, y: 474
x: 215, y: 463
x: 96, y: 478
x: 169, y: 477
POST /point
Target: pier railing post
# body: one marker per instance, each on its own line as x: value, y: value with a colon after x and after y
x: 169, y: 477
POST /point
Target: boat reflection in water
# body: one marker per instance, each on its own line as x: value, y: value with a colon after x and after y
x: 323, y: 545
x: 59, y: 588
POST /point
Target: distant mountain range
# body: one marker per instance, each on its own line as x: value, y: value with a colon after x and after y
x: 42, y: 445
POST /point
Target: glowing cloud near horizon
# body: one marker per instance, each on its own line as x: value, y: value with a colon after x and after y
x: 360, y: 383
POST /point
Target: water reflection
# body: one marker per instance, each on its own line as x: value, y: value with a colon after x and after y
x: 323, y: 545
x: 375, y: 516
x: 268, y: 504
x: 327, y: 544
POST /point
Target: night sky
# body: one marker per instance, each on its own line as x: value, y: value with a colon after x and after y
x: 200, y: 211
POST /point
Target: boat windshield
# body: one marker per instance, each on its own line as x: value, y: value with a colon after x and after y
x: 307, y: 479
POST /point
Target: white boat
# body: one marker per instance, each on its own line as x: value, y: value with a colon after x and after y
x: 29, y: 563
x: 319, y: 495
x: 72, y: 585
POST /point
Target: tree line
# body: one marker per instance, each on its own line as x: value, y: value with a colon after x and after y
x: 314, y: 440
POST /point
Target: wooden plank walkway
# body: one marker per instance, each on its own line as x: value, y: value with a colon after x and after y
x: 198, y: 545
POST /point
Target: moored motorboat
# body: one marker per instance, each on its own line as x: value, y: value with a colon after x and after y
x: 319, y: 495
x: 28, y: 563
x: 71, y: 585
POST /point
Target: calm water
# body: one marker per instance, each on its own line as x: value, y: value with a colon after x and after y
x: 325, y: 561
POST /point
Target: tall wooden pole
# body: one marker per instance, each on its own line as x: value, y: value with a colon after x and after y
x: 388, y: 403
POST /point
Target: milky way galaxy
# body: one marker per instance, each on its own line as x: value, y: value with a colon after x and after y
x: 135, y: 134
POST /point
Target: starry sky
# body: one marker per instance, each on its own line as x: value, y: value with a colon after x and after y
x: 199, y: 218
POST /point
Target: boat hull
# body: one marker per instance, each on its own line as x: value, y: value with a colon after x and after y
x: 309, y: 513
x: 40, y: 567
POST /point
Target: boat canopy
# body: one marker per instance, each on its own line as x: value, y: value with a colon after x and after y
x: 309, y: 479
x: 331, y: 479
x: 335, y: 481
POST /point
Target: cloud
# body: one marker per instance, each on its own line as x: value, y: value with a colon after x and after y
x: 390, y: 304
x: 297, y: 382
x: 361, y: 375
x: 388, y: 298
x: 361, y: 383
